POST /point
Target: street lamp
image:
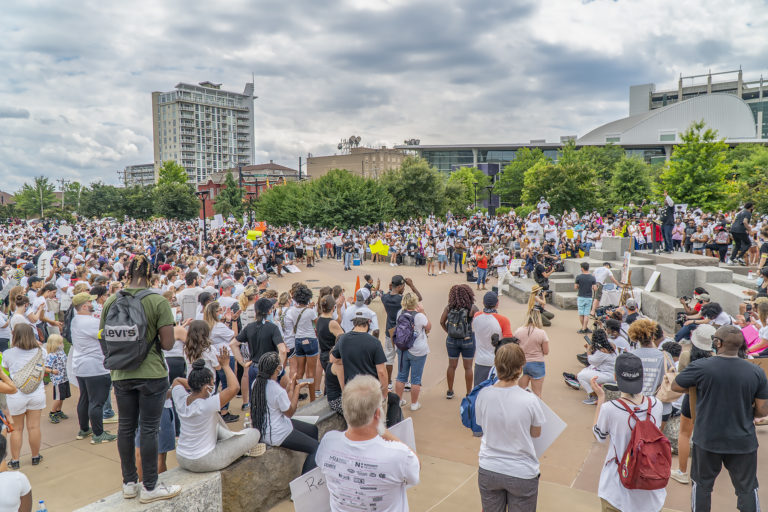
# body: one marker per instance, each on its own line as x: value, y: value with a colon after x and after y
x: 475, y: 184
x: 202, y: 195
x: 491, y: 208
x: 251, y: 196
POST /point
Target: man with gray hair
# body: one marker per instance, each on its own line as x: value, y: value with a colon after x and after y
x: 381, y: 466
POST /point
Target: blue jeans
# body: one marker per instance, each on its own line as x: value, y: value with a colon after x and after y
x: 482, y: 273
x: 221, y: 377
x: 458, y: 347
x: 666, y: 232
x: 108, y: 412
x: 413, y: 365
x: 457, y: 261
x: 347, y: 260
x: 685, y: 332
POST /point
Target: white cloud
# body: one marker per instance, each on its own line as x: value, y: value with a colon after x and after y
x: 76, y: 78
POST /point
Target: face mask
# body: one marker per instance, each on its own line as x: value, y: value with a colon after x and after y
x: 271, y: 317
x: 178, y: 317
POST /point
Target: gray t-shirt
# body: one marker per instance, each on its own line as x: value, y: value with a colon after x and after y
x: 585, y: 282
x: 653, y: 371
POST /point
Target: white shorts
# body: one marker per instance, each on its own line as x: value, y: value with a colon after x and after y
x: 389, y: 350
x: 19, y: 403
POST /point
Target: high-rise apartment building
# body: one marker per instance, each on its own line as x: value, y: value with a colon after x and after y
x: 203, y: 128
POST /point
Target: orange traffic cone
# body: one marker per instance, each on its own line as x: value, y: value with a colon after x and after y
x: 357, y: 286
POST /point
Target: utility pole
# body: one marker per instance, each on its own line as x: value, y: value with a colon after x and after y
x: 41, y: 201
x: 63, y: 184
x: 299, y: 168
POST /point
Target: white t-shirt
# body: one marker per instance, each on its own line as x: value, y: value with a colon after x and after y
x: 88, y: 358
x: 361, y: 311
x: 14, y: 485
x: 278, y: 425
x: 543, y: 207
x: 5, y: 332
x: 198, y: 423
x: 227, y: 302
x: 507, y: 415
x: 209, y: 356
x: 420, y: 346
x: 612, y: 421
x: 484, y: 326
x: 14, y: 360
x: 602, y: 274
x: 221, y: 335
x: 390, y: 468
x: 305, y: 328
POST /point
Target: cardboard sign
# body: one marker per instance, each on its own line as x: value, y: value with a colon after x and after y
x: 65, y: 230
x: 652, y: 281
x: 260, y: 226
x: 551, y: 429
x: 404, y: 432
x: 252, y: 235
x: 44, y: 264
x: 219, y: 220
x: 310, y: 493
x: 625, y: 267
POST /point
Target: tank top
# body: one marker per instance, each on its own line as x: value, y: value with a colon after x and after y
x: 324, y: 335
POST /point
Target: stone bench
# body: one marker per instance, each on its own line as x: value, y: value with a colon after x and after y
x: 251, y: 483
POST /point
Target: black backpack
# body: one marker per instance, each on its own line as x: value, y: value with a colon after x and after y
x: 123, y: 338
x: 457, y: 324
x: 66, y: 327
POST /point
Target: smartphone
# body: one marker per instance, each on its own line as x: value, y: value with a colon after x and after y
x: 588, y: 339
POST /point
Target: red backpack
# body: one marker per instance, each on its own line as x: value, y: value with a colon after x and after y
x: 647, y: 461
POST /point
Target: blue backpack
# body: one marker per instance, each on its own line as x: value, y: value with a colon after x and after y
x: 405, y: 331
x: 467, y: 409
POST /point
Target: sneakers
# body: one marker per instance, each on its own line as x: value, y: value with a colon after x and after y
x: 228, y: 418
x: 407, y: 386
x: 318, y: 393
x: 83, y: 434
x: 581, y: 331
x: 37, y: 460
x: 245, y: 407
x: 105, y: 437
x: 449, y: 395
x: 416, y: 406
x: 583, y: 358
x: 130, y: 490
x: 61, y: 415
x: 679, y: 476
x: 389, y: 387
x: 402, y: 402
x: 14, y: 465
x: 160, y: 492
x: 590, y: 400
x: 53, y: 417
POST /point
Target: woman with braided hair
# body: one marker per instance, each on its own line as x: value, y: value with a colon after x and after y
x: 141, y: 392
x: 461, y: 301
x: 272, y: 408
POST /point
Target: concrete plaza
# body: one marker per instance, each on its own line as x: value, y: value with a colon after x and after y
x: 75, y: 473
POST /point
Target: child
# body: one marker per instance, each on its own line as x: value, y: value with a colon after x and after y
x: 56, y: 366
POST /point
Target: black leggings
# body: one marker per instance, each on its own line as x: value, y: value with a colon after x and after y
x: 741, y: 245
x: 303, y: 438
x: 177, y: 367
x: 90, y: 405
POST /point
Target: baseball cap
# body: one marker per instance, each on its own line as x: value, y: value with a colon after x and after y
x: 164, y: 267
x: 397, y: 280
x: 263, y: 305
x: 363, y: 294
x: 227, y: 283
x: 703, y: 297
x: 262, y: 278
x: 81, y: 298
x: 490, y: 299
x: 702, y: 337
x: 629, y: 373
x: 631, y: 304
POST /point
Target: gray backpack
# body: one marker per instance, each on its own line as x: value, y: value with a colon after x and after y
x: 123, y: 338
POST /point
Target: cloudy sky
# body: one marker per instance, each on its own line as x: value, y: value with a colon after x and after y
x: 76, y: 76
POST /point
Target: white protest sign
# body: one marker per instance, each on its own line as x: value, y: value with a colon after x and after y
x: 652, y: 281
x: 310, y: 493
x: 44, y: 264
x: 292, y: 269
x: 404, y: 432
x: 551, y: 429
x: 219, y: 220
x: 337, y: 240
x: 65, y: 230
x: 625, y: 267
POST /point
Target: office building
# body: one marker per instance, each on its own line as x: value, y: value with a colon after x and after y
x: 203, y: 128
x: 366, y: 162
x: 142, y: 174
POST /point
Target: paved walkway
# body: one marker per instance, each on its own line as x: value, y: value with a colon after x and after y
x: 75, y: 473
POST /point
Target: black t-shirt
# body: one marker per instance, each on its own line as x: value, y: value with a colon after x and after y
x: 261, y: 338
x: 631, y: 317
x: 585, y: 282
x: 726, y: 387
x: 332, y: 386
x: 349, y: 246
x: 392, y: 304
x: 360, y: 353
x: 738, y: 223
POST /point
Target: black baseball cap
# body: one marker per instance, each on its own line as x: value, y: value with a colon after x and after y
x: 397, y: 280
x: 629, y: 373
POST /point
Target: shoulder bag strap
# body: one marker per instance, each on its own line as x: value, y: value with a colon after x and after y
x: 296, y: 323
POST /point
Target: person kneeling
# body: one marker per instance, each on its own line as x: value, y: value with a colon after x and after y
x: 205, y: 443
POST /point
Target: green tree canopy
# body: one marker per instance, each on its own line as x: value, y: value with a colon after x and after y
x: 229, y: 200
x: 137, y: 201
x: 35, y: 198
x: 631, y: 181
x: 100, y: 200
x: 509, y: 186
x: 416, y: 188
x: 697, y: 171
x: 175, y: 201
x: 603, y: 159
x: 749, y: 178
x: 470, y: 179
x: 171, y: 172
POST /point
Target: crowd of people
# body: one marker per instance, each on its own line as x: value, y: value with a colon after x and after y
x: 211, y: 327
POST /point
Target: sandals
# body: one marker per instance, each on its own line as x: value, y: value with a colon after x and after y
x: 258, y: 450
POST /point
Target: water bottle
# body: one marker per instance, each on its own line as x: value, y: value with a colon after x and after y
x: 247, y: 422
x: 41, y: 506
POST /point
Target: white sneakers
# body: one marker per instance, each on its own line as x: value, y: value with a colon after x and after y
x: 402, y: 402
x: 415, y: 406
x: 131, y: 490
x: 160, y: 492
x: 679, y: 476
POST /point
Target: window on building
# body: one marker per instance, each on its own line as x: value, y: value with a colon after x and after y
x: 667, y: 137
x: 612, y: 138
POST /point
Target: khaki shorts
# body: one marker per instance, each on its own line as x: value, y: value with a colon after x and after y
x: 598, y: 294
x: 389, y: 351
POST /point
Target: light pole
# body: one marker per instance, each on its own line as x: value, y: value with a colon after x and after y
x: 491, y: 208
x: 251, y: 195
x: 202, y: 194
x: 475, y: 184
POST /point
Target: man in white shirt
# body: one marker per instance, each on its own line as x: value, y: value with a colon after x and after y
x: 360, y: 309
x: 543, y: 207
x: 226, y: 300
x: 602, y: 274
x: 390, y: 466
x: 187, y: 298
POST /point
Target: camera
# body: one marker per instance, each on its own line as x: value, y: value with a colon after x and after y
x: 682, y: 318
x: 685, y: 298
x: 748, y: 307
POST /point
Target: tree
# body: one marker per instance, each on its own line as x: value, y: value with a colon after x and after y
x: 100, y: 200
x: 467, y: 177
x: 175, y: 201
x: 509, y: 186
x: 284, y: 204
x: 416, y: 188
x: 171, y: 172
x: 73, y: 193
x: 455, y: 197
x: 749, y: 178
x: 36, y: 198
x: 631, y: 181
x: 697, y: 171
x: 230, y: 198
x: 603, y: 159
x: 137, y: 201
x: 344, y: 200
x: 569, y: 182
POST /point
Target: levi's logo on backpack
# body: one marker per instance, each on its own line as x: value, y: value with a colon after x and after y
x: 405, y: 331
x: 458, y: 324
x: 123, y: 338
x: 647, y: 461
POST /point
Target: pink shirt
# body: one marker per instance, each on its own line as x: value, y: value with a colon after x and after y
x: 532, y: 342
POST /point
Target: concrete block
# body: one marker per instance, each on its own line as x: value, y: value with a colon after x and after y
x: 561, y: 275
x: 561, y: 285
x: 728, y: 295
x: 602, y: 254
x: 744, y: 281
x: 573, y: 265
x: 200, y: 492
x: 661, y: 307
x: 565, y: 300
x: 618, y: 245
x: 676, y: 280
x: 639, y: 260
x: 687, y: 260
x: 519, y: 290
x: 705, y: 275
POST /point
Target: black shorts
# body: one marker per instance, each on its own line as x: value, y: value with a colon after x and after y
x: 61, y: 391
x: 685, y: 409
x: 299, y: 253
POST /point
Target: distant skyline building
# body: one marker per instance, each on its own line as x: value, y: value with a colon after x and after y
x: 203, y: 128
x: 141, y: 174
x: 362, y: 161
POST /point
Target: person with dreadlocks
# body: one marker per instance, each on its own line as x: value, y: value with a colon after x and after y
x: 141, y: 393
x: 272, y: 408
x: 204, y: 444
x: 461, y: 309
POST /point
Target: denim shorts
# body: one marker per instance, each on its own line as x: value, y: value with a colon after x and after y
x: 166, y: 437
x: 307, y: 347
x: 584, y: 305
x: 457, y: 347
x: 535, y: 370
x: 413, y: 365
x: 442, y: 258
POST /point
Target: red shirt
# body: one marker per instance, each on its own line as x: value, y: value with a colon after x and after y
x: 482, y: 261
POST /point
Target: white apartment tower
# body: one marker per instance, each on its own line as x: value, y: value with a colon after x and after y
x: 203, y: 128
